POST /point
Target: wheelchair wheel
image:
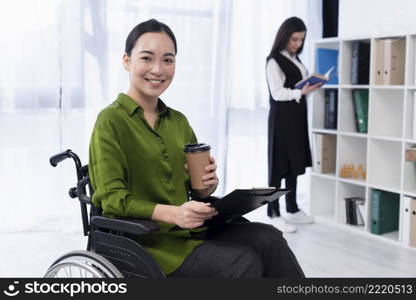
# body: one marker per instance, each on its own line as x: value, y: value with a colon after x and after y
x: 82, y: 264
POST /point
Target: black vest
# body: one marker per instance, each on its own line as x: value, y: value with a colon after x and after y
x: 291, y: 71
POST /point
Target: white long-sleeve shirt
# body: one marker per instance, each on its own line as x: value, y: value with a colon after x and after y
x: 276, y: 79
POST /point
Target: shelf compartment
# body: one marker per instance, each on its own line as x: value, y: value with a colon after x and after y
x: 346, y: 190
x: 347, y: 118
x: 385, y: 163
x: 322, y: 196
x: 351, y: 151
x: 386, y: 112
x: 347, y: 60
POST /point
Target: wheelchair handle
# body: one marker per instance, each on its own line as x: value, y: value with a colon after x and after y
x: 57, y: 158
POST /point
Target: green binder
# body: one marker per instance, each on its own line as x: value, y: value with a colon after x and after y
x: 360, y: 102
x: 384, y: 211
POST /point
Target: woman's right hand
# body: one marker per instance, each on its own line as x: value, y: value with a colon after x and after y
x: 310, y: 88
x: 193, y: 214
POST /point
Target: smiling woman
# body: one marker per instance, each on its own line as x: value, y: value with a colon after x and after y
x: 137, y: 169
x: 136, y: 150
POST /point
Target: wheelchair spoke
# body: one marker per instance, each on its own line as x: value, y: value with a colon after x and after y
x: 66, y: 273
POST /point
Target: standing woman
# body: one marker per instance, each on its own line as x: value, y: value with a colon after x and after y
x: 288, y: 141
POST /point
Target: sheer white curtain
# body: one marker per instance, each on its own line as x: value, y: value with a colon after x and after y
x: 253, y: 28
x: 61, y: 64
x: 41, y: 112
x: 29, y: 112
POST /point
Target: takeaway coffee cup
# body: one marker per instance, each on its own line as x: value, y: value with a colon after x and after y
x: 197, y: 158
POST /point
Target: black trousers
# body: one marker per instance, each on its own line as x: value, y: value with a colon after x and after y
x: 241, y: 250
x: 291, y: 204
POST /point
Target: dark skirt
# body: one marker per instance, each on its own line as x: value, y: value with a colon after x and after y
x: 288, y: 140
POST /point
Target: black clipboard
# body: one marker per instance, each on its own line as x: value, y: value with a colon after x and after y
x: 242, y: 201
x: 238, y: 203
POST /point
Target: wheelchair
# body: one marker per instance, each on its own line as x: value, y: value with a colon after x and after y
x: 110, y: 252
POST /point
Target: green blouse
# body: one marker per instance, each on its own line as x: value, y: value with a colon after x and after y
x: 134, y: 167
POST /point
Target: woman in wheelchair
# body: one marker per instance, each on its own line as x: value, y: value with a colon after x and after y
x: 137, y: 170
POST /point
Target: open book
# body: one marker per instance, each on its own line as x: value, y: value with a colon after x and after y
x: 316, y: 78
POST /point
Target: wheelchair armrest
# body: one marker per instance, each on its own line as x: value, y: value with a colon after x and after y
x: 134, y: 226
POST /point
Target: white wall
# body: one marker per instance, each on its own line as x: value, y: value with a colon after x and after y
x: 376, y: 17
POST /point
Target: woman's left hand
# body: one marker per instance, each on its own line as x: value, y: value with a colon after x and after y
x: 210, y: 179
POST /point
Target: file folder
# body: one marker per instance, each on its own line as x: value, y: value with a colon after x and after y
x: 385, y: 208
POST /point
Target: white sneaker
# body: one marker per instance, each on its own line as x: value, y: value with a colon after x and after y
x: 299, y: 218
x: 281, y: 224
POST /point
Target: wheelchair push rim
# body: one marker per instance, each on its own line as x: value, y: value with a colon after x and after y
x: 82, y: 264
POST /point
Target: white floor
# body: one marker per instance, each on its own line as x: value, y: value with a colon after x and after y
x: 329, y: 250
x: 323, y: 250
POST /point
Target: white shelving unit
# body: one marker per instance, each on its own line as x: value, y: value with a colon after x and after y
x: 380, y: 151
